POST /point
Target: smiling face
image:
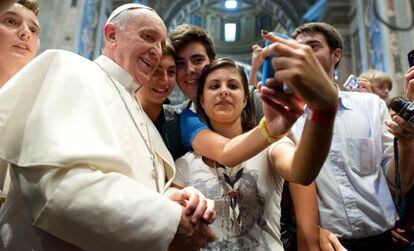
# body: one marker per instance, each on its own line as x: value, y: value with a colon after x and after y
x: 19, y: 32
x: 161, y: 84
x: 191, y: 61
x: 137, y: 48
x: 224, y: 97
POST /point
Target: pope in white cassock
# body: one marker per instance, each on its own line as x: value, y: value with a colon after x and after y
x: 88, y: 166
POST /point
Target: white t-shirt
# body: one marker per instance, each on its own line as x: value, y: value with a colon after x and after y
x: 259, y: 191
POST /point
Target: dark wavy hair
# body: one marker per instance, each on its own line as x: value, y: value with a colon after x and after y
x: 331, y: 35
x: 185, y: 34
x: 168, y: 49
x: 247, y: 116
x: 32, y: 5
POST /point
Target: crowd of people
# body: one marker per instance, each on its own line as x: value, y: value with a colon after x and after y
x: 91, y: 157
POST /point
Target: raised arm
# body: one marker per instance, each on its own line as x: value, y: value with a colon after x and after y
x: 314, y: 134
x: 297, y: 65
x: 404, y: 132
x: 229, y: 152
x: 312, y: 85
x: 256, y: 62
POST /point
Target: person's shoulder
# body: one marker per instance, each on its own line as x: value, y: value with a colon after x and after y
x: 188, y: 113
x: 363, y: 99
x: 56, y: 60
x: 369, y: 104
x: 190, y: 156
x: 361, y: 96
x: 61, y: 55
x: 187, y: 158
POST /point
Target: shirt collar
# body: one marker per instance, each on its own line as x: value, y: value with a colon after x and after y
x: 344, y: 100
x: 116, y: 72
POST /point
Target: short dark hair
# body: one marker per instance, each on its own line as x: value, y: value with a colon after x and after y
x: 32, y: 5
x: 184, y: 34
x: 331, y: 35
x: 247, y: 116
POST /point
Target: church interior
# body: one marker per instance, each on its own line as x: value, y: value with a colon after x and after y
x: 377, y: 33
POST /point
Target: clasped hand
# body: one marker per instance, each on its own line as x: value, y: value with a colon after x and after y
x: 197, y: 212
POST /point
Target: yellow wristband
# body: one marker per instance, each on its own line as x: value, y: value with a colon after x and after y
x: 265, y: 132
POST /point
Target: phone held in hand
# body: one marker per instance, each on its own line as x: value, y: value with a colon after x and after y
x: 351, y: 82
x: 267, y: 69
x: 410, y: 57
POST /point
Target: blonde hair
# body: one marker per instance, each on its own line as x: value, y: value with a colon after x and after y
x: 375, y: 76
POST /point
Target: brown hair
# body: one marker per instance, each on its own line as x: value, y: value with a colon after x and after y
x: 331, y: 35
x: 247, y: 116
x: 375, y: 76
x: 184, y: 34
x: 32, y: 5
x: 168, y: 49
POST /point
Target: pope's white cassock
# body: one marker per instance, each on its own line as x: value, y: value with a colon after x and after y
x: 82, y: 175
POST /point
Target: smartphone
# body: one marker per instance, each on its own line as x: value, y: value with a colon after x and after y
x: 351, y: 82
x: 267, y: 69
x: 410, y: 57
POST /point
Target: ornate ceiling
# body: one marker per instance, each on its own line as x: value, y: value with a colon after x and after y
x: 250, y: 16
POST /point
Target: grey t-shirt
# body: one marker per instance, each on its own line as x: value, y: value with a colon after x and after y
x: 259, y: 191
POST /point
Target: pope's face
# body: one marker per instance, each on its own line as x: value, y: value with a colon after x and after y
x: 138, y: 46
x: 19, y: 32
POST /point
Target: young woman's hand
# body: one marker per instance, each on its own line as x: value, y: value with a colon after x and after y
x: 280, y: 109
x: 296, y: 65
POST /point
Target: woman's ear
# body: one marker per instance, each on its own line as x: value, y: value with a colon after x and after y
x: 245, y: 101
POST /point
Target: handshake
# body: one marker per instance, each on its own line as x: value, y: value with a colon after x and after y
x: 198, y: 212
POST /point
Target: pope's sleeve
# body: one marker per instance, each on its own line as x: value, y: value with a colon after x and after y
x: 69, y: 162
x: 98, y: 211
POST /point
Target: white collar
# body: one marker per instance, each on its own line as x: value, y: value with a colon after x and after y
x: 117, y: 72
x: 344, y: 100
